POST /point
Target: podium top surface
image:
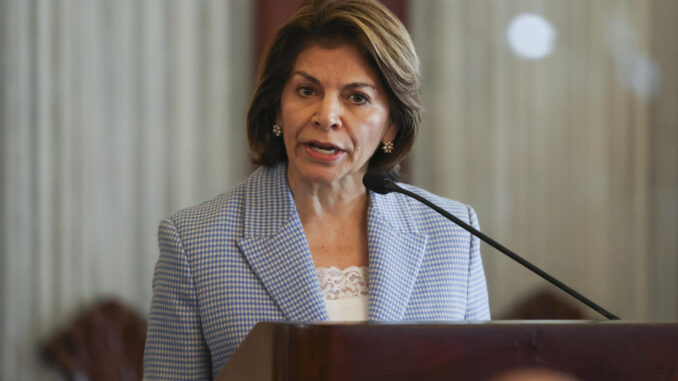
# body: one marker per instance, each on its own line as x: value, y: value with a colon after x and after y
x: 586, y: 350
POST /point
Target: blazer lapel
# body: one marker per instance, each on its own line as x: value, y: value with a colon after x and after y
x: 275, y: 246
x: 396, y: 252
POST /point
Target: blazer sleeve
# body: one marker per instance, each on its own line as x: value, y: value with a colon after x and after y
x: 175, y: 347
x: 477, y: 302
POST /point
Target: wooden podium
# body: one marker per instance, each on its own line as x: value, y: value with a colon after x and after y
x: 457, y: 351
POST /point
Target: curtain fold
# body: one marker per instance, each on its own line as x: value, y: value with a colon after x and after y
x: 114, y: 114
x: 556, y: 154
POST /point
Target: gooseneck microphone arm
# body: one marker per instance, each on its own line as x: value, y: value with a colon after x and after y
x: 380, y: 183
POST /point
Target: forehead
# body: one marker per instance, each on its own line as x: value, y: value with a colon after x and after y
x: 342, y: 62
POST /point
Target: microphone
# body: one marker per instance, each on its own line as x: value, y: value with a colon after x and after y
x: 381, y: 183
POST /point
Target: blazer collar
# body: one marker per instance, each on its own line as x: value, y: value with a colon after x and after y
x: 396, y: 252
x: 275, y: 246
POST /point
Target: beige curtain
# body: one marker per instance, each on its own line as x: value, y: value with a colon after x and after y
x: 570, y: 160
x: 113, y: 115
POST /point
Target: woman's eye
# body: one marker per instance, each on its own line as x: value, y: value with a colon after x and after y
x: 305, y: 91
x: 358, y: 98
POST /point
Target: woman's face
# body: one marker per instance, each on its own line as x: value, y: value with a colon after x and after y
x: 334, y: 114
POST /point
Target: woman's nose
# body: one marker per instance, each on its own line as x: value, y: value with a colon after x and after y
x: 328, y: 114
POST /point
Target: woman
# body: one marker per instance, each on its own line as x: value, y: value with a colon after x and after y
x: 338, y: 94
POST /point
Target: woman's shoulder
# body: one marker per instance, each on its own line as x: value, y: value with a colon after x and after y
x: 459, y: 209
x: 227, y: 209
x: 224, y: 207
x: 406, y: 213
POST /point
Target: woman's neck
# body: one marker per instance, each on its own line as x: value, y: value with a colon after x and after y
x: 344, y: 198
x: 334, y: 217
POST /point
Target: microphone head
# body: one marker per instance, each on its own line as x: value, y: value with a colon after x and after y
x: 377, y: 182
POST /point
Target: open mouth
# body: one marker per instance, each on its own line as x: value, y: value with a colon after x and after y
x: 323, y: 148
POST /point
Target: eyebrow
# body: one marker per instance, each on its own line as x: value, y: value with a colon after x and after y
x: 349, y: 86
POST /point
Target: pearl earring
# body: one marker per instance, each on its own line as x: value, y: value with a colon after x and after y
x: 277, y: 130
x: 387, y: 147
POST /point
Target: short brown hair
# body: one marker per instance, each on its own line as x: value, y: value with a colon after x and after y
x: 377, y: 34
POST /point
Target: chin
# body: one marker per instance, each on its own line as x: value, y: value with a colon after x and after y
x: 327, y: 177
x: 322, y: 175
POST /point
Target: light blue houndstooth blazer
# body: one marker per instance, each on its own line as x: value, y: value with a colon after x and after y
x: 242, y: 258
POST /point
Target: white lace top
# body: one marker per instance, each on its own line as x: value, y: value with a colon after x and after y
x: 345, y: 292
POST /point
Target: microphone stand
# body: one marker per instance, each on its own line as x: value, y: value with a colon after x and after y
x: 389, y: 185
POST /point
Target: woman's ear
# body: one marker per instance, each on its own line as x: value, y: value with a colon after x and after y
x: 390, y: 133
